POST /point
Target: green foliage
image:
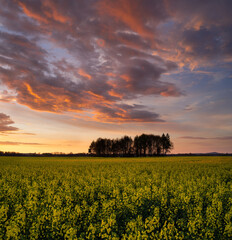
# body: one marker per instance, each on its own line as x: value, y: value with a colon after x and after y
x: 124, y: 198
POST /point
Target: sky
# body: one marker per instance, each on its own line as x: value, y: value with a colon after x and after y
x: 75, y: 70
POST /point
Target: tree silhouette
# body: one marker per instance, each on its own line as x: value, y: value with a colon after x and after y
x: 166, y: 143
x: 143, y: 145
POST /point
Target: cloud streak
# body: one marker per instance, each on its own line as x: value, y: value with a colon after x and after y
x: 229, y: 138
x: 18, y: 143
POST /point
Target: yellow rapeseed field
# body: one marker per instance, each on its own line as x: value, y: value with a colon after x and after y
x: 116, y: 198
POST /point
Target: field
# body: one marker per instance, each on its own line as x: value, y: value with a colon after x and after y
x: 121, y: 198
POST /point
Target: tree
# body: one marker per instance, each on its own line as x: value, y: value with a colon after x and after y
x: 143, y: 145
x: 126, y: 145
x: 92, y: 147
x: 136, y: 146
x: 115, y: 147
x: 166, y: 143
x: 153, y: 143
x: 143, y: 140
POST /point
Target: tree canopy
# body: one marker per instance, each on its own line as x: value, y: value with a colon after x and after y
x: 143, y: 145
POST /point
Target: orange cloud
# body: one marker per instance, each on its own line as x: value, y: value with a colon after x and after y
x: 120, y: 117
x: 170, y: 92
x: 127, y: 12
x: 53, y: 13
x: 49, y: 10
x: 98, y: 97
x: 37, y: 97
x: 115, y: 94
x: 126, y: 77
x: 110, y: 74
x: 49, y: 98
x: 99, y: 116
x: 112, y: 83
x: 31, y: 13
x: 84, y: 74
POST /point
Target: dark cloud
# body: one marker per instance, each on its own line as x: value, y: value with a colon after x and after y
x: 144, y: 116
x: 5, y: 122
x: 11, y: 17
x: 208, y: 12
x: 200, y: 30
x: 206, y: 43
x: 126, y: 113
x: 142, y: 77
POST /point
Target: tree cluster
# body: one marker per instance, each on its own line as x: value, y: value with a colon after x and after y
x: 143, y: 145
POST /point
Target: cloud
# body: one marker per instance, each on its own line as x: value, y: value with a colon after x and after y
x: 6, y: 96
x: 134, y: 14
x: 207, y: 12
x: 5, y: 122
x: 207, y: 43
x: 199, y: 32
x: 91, y: 57
x: 207, y: 138
x: 27, y: 133
x: 142, y: 77
x: 126, y: 113
x: 18, y: 143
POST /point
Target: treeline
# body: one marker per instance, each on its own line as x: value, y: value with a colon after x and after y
x: 143, y: 145
x: 55, y: 154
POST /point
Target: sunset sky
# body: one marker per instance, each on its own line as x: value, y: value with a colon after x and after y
x: 75, y: 70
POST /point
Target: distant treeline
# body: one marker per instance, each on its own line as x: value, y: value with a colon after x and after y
x: 143, y: 145
x: 60, y: 154
x: 56, y: 154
